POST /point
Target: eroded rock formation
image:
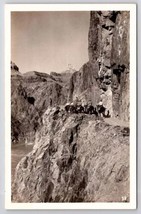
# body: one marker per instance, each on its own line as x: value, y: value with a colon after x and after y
x: 75, y: 159
x: 32, y: 93
x: 105, y: 76
x: 83, y: 84
x: 108, y: 67
x: 121, y: 66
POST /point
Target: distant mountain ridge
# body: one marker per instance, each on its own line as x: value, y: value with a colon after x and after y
x: 46, y: 90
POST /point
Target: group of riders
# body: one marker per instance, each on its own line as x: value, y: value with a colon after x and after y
x: 87, y: 108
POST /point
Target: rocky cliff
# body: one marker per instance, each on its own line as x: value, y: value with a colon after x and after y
x: 31, y: 94
x: 120, y: 59
x: 83, y: 84
x: 105, y: 76
x: 107, y: 72
x: 77, y: 157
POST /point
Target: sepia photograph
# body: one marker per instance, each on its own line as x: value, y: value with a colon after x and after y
x: 71, y: 86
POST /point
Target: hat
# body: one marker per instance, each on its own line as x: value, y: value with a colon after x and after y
x: 67, y: 104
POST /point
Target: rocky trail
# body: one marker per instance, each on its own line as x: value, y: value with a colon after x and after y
x: 116, y: 122
x: 75, y: 157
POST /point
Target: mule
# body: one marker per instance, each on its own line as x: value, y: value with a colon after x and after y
x: 79, y: 109
x: 101, y: 110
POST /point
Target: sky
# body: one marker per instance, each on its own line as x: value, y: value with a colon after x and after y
x: 49, y: 41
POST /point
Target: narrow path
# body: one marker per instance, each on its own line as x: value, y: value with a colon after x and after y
x: 116, y: 122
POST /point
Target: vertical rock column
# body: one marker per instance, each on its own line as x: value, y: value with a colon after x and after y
x: 121, y: 66
x: 102, y: 25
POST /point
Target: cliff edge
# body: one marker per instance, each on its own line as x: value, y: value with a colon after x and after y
x: 75, y: 158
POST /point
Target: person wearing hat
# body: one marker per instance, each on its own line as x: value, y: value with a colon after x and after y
x: 67, y: 107
x: 72, y: 108
x: 100, y: 108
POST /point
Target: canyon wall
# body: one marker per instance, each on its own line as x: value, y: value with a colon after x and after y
x: 121, y: 66
x: 31, y: 94
x: 109, y: 45
x: 106, y: 76
x: 77, y: 157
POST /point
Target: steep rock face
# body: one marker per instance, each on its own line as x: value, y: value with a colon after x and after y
x: 74, y: 159
x: 101, y: 29
x: 83, y: 84
x: 77, y: 158
x: 94, y: 37
x: 108, y: 45
x: 121, y: 66
x: 105, y: 76
x: 99, y: 67
x: 32, y: 93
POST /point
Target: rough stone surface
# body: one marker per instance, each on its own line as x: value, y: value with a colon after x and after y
x: 105, y: 76
x: 31, y: 94
x: 74, y: 159
x: 109, y: 47
x: 100, y: 47
x: 83, y: 84
x: 121, y: 66
x: 93, y: 81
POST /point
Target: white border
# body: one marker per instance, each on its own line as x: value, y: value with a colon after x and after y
x: 70, y: 7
